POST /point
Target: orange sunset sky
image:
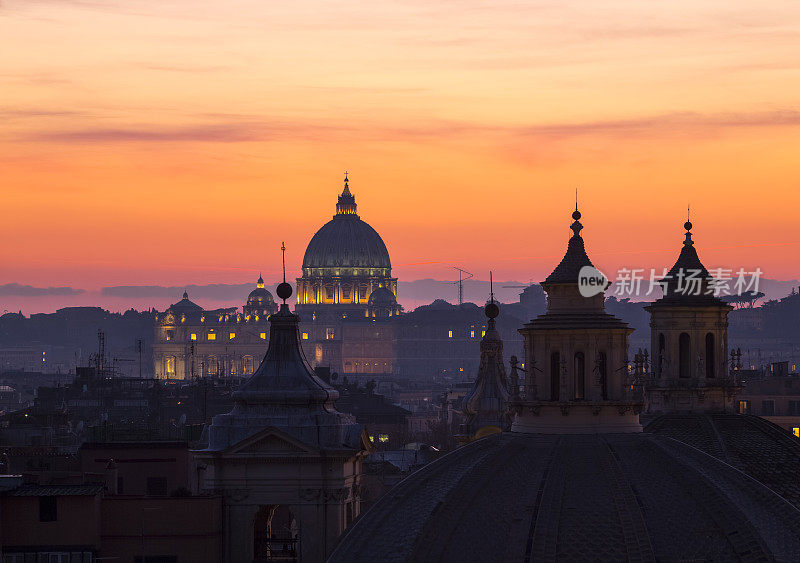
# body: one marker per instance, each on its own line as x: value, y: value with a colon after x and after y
x: 168, y: 142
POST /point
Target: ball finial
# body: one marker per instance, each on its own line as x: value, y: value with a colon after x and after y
x: 492, y: 310
x: 284, y: 290
x: 687, y: 225
x: 576, y: 215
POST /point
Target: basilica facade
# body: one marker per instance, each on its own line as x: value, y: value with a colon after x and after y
x: 190, y: 341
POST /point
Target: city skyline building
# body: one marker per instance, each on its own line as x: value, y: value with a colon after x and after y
x: 190, y: 341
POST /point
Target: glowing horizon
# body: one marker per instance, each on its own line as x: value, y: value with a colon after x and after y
x: 172, y: 142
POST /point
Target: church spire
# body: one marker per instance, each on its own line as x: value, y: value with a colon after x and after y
x: 347, y: 203
x: 286, y: 394
x: 575, y: 257
x: 487, y: 403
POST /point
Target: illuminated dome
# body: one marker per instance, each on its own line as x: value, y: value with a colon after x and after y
x: 345, y: 262
x: 260, y: 300
x: 346, y: 241
x: 260, y: 296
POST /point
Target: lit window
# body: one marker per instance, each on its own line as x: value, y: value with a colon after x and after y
x: 305, y: 336
x: 483, y: 333
x: 193, y: 336
x: 796, y: 432
x: 383, y: 438
x: 263, y: 335
x: 472, y: 334
x: 202, y: 319
x: 329, y: 333
x: 449, y: 334
x: 372, y: 438
x: 233, y: 335
x: 212, y: 336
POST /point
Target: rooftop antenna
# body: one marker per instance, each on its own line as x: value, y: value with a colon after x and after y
x: 576, y: 199
x: 491, y: 287
x: 460, y: 282
x: 689, y: 212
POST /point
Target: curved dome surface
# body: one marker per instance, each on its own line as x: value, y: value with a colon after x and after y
x: 346, y: 242
x: 382, y: 297
x: 615, y: 497
x: 259, y: 296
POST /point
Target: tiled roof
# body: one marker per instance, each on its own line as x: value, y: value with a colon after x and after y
x: 570, y: 266
x: 753, y: 445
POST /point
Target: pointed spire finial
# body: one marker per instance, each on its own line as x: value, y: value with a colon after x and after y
x: 347, y: 203
x: 491, y: 310
x: 688, y: 226
x: 284, y: 290
x: 346, y: 184
x: 576, y: 215
x: 283, y: 259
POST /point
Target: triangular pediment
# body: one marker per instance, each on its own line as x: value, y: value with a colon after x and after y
x: 271, y: 441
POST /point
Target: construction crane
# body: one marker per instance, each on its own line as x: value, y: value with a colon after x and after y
x: 460, y: 283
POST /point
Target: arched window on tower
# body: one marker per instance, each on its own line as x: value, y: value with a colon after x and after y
x: 710, y: 366
x: 555, y: 376
x: 662, y: 350
x: 685, y: 356
x: 579, y: 369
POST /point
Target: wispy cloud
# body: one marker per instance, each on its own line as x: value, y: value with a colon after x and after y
x: 245, y: 130
x: 670, y: 123
x: 18, y: 290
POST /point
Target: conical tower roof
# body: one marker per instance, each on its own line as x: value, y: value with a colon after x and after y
x: 576, y: 258
x: 688, y: 281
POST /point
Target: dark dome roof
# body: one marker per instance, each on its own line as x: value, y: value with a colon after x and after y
x: 347, y: 242
x: 615, y: 497
x: 382, y: 297
x: 184, y: 305
x: 763, y: 450
x: 259, y: 295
